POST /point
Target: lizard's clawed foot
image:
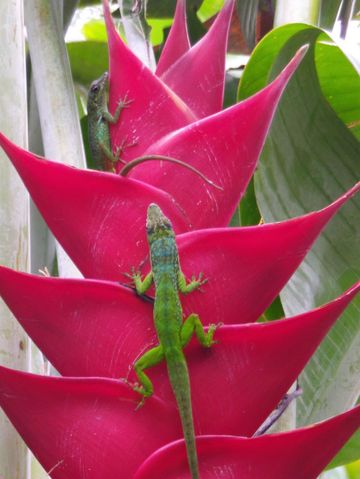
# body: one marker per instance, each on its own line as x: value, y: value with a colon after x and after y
x: 123, y: 146
x: 124, y: 102
x: 45, y: 272
x: 137, y: 388
x: 140, y: 403
x: 210, y: 334
x: 134, y: 275
x: 198, y: 282
x: 117, y: 155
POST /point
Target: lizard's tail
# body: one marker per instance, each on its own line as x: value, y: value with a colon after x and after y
x: 179, y: 379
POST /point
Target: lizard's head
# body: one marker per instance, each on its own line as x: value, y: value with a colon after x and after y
x: 97, y: 86
x: 157, y: 225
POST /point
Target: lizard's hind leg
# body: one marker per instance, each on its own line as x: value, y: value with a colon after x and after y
x: 193, y: 325
x: 151, y: 358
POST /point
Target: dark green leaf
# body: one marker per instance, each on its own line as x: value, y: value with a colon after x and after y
x: 84, y: 129
x: 195, y: 27
x: 274, y: 311
x: 249, y: 211
x: 231, y: 87
x: 166, y: 8
x: 328, y: 13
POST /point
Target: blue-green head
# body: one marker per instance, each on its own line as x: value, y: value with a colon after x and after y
x: 157, y: 224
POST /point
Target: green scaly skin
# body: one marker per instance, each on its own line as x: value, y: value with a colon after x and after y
x: 172, y: 332
x: 99, y: 118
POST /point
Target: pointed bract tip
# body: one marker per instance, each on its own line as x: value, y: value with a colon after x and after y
x: 224, y: 16
x: 110, y: 27
x: 106, y: 8
x: 353, y: 190
x: 301, y: 52
x: 229, y: 4
x: 335, y: 205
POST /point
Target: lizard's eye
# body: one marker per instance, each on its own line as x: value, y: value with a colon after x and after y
x: 95, y: 88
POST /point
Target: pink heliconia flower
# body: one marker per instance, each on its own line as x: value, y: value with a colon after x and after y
x: 85, y: 424
x: 177, y: 114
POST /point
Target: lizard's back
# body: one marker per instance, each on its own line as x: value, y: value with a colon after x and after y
x: 167, y: 307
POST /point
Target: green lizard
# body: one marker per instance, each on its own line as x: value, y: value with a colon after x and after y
x: 172, y: 332
x: 99, y: 118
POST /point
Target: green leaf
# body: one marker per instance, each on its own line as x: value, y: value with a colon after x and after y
x: 89, y: 60
x: 353, y: 470
x: 161, y: 9
x: 166, y: 8
x: 249, y: 211
x: 340, y: 84
x: 347, y: 454
x: 209, y: 8
x: 158, y: 25
x: 309, y: 159
x: 95, y: 30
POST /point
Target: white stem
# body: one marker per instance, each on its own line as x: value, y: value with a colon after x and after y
x: 14, y: 243
x: 55, y: 95
x: 293, y: 11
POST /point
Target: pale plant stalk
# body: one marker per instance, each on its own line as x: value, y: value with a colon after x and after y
x: 136, y: 30
x: 14, y: 216
x: 293, y: 11
x: 42, y: 241
x: 61, y: 135
x: 55, y: 94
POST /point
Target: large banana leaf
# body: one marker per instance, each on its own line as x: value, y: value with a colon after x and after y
x: 309, y: 158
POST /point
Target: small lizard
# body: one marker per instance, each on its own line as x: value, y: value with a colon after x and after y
x: 99, y: 118
x: 172, y: 332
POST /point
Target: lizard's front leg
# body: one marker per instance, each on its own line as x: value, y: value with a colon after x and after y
x: 122, y: 103
x: 109, y: 118
x: 192, y: 285
x: 142, y: 286
x: 193, y: 325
